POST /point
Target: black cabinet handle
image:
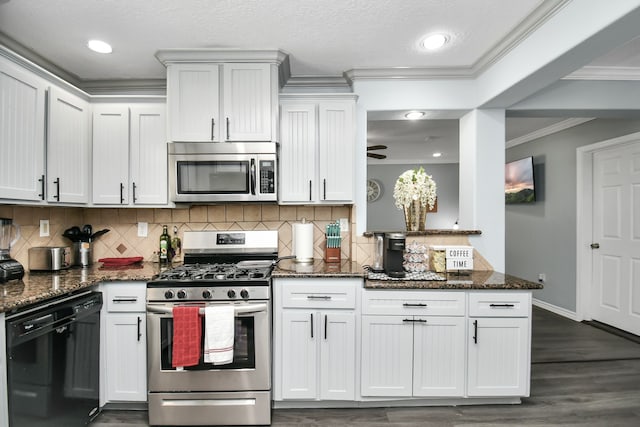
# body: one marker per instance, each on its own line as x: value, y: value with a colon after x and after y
x: 121, y: 193
x: 41, y: 181
x: 227, y: 128
x: 213, y: 125
x: 57, y: 183
x: 139, y: 333
x: 408, y: 304
x: 134, y: 192
x: 325, y: 327
x: 309, y: 190
x: 475, y: 332
x: 319, y: 297
x: 119, y: 300
x: 502, y: 305
x: 311, y: 325
x: 414, y: 320
x: 324, y: 189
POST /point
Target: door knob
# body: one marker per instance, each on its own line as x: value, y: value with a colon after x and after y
x: 595, y: 246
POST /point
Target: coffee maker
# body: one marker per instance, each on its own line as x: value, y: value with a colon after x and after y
x: 10, y: 269
x: 394, y: 244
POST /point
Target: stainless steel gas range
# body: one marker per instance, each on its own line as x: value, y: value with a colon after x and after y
x: 220, y: 268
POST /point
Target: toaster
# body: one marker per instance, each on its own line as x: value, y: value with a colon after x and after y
x: 49, y: 258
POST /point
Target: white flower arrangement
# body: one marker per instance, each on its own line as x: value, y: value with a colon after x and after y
x: 415, y: 184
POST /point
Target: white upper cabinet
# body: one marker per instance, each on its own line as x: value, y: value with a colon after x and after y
x: 68, y: 148
x: 148, y: 155
x: 110, y: 154
x: 222, y: 102
x: 129, y: 154
x: 22, y: 144
x: 317, y: 146
x: 193, y: 97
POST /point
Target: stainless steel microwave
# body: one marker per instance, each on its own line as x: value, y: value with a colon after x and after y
x: 202, y: 172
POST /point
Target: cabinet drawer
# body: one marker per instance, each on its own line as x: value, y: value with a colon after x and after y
x: 403, y: 302
x: 499, y: 304
x: 317, y: 293
x: 126, y: 298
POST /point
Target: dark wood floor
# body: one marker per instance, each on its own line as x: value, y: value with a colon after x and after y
x: 581, y: 377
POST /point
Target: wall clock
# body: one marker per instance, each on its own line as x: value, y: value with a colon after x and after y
x: 374, y: 190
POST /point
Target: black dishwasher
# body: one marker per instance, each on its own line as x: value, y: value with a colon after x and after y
x: 53, y: 354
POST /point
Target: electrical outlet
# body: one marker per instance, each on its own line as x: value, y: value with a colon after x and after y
x: 542, y: 277
x: 143, y: 229
x: 344, y: 224
x: 44, y: 228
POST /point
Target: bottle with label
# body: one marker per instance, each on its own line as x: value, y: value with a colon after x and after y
x: 176, y: 243
x: 165, y: 246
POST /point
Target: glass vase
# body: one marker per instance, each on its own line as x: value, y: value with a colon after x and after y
x: 415, y: 216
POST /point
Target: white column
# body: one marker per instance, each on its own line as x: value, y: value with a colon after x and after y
x: 482, y: 157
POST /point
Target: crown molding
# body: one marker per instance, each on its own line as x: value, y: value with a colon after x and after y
x: 125, y: 87
x: 332, y: 82
x: 605, y: 73
x: 172, y: 56
x: 421, y: 73
x: 549, y: 130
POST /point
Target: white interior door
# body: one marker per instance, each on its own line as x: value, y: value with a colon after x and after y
x: 616, y: 237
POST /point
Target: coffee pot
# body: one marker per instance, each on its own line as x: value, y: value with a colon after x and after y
x: 9, y: 268
x: 394, y: 245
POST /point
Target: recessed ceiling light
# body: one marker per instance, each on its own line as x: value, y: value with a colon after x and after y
x: 99, y: 46
x: 437, y: 154
x: 434, y: 41
x: 414, y: 115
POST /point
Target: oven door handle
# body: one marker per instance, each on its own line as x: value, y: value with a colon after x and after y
x: 239, y: 309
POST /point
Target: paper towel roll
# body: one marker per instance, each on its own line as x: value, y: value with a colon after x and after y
x: 303, y: 241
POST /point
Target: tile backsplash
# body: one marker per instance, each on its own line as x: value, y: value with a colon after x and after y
x: 122, y: 239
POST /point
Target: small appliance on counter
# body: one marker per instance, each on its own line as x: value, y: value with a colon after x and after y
x: 49, y: 258
x: 394, y: 245
x: 302, y: 238
x: 10, y: 269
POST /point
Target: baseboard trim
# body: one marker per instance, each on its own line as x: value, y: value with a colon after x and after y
x: 555, y: 309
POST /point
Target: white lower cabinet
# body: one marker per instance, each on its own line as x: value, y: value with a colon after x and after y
x: 409, y: 355
x: 499, y: 344
x: 124, y: 343
x: 315, y: 339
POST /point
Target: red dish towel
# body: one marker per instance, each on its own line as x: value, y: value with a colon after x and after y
x: 187, y: 333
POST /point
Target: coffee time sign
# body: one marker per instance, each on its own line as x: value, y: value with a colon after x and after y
x: 459, y: 258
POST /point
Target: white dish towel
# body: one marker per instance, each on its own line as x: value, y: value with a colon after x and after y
x: 219, y: 333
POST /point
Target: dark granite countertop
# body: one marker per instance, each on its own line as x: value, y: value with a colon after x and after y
x: 475, y: 280
x: 39, y: 286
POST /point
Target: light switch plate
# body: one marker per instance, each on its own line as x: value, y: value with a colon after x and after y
x: 344, y: 224
x: 143, y: 229
x: 44, y: 228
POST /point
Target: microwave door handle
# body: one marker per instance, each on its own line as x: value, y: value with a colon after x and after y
x: 253, y: 177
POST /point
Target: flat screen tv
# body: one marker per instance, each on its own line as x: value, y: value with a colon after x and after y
x: 519, y: 184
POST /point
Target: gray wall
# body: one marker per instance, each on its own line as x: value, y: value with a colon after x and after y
x: 541, y: 237
x: 383, y: 214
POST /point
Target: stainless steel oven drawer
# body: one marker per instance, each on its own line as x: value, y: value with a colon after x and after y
x: 232, y: 408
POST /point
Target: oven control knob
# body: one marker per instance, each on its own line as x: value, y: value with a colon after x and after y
x: 231, y: 293
x: 168, y: 294
x: 207, y: 294
x: 182, y: 294
x: 244, y: 294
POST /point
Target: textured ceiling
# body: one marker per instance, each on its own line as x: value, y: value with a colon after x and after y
x: 323, y: 37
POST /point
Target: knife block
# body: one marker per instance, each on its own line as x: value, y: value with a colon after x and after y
x: 331, y: 255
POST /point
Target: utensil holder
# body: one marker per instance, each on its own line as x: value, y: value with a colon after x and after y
x: 331, y: 255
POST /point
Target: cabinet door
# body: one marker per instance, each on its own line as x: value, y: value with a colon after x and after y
x: 110, y: 154
x: 299, y: 354
x: 126, y: 357
x: 22, y: 149
x: 193, y: 99
x: 68, y: 148
x: 247, y: 102
x: 438, y: 356
x: 297, y: 153
x: 337, y: 356
x: 498, y: 357
x: 387, y: 353
x: 148, y: 155
x: 336, y: 145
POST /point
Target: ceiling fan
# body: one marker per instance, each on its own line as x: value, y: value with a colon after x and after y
x: 376, y: 155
